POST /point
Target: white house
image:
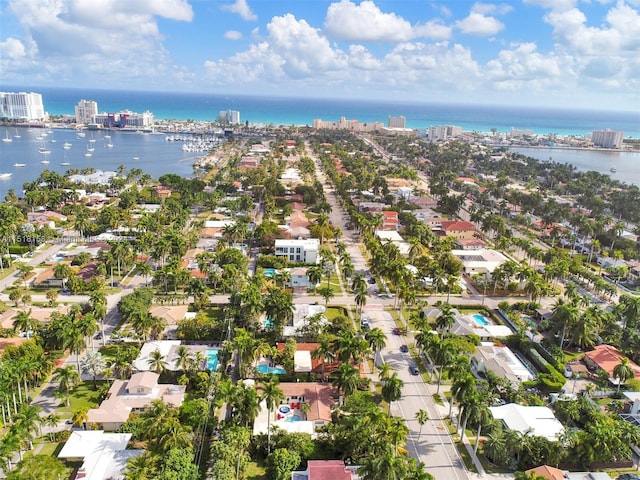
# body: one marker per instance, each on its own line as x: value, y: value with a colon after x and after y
x: 298, y: 250
x: 103, y: 455
x: 501, y: 361
x: 536, y: 421
x: 479, y: 261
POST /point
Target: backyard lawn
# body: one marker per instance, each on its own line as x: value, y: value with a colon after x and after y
x: 82, y: 397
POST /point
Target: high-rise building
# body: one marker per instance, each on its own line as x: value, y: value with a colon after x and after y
x: 229, y: 117
x: 607, y: 138
x: 21, y: 106
x: 444, y: 132
x: 85, y: 111
x: 125, y: 118
x: 397, y: 122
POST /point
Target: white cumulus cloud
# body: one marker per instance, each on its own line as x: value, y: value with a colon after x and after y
x: 242, y: 8
x: 12, y: 49
x: 233, y: 35
x: 479, y: 24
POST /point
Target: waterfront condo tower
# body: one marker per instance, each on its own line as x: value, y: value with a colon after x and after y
x: 22, y: 106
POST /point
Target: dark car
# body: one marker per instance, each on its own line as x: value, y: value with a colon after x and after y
x: 404, y: 349
x: 629, y: 476
x: 397, y: 331
x: 371, y: 281
x: 414, y: 370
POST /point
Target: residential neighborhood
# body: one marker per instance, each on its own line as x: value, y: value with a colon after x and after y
x: 323, y: 304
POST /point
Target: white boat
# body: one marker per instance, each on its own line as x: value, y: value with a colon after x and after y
x: 45, y: 162
x: 135, y: 157
x: 19, y: 164
x: 81, y: 134
x: 44, y: 151
x: 65, y: 164
x: 109, y: 145
x: 613, y: 169
x: 17, y: 135
x: 5, y: 175
x: 90, y: 149
x: 7, y: 139
x: 66, y: 145
x: 88, y: 152
x: 107, y: 136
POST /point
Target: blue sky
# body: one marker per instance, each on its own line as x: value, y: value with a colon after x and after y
x: 563, y: 53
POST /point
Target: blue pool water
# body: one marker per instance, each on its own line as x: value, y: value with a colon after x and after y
x: 269, y: 272
x: 480, y: 320
x: 212, y: 360
x: 293, y: 418
x: 270, y: 370
x: 267, y: 322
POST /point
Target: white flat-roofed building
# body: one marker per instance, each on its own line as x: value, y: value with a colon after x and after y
x: 344, y: 124
x: 301, y: 313
x: 501, y: 361
x: 395, y: 238
x: 22, y: 106
x: 85, y: 111
x: 607, y: 138
x: 298, y: 250
x: 479, y: 261
x: 103, y: 455
x: 527, y: 420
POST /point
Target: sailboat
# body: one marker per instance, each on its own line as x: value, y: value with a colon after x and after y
x: 90, y: 148
x: 109, y: 144
x: 66, y: 145
x: 135, y: 157
x: 7, y: 139
x: 65, y: 162
x: 17, y: 165
x: 17, y: 135
x: 88, y: 152
x: 43, y: 150
x: 45, y: 160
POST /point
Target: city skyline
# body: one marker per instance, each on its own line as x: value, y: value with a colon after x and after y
x: 555, y: 53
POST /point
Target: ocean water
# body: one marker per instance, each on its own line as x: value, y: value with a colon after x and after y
x: 302, y: 111
x: 158, y: 157
x: 155, y: 156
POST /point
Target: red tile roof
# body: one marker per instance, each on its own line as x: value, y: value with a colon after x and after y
x: 327, y: 470
x: 607, y: 357
x: 457, y: 226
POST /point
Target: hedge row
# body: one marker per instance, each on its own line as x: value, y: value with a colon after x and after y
x: 550, y: 379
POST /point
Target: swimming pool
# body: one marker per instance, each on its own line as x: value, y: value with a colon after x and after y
x: 212, y: 359
x: 269, y: 272
x: 293, y: 418
x: 480, y: 320
x: 264, y: 368
x: 529, y: 321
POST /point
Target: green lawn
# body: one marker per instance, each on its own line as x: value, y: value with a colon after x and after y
x: 333, y: 312
x: 82, y: 397
x: 464, y: 454
x: 255, y: 472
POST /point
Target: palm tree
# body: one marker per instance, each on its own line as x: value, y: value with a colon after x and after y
x: 446, y: 319
x: 392, y: 390
x: 622, y: 372
x: 361, y: 299
x: 157, y: 362
x: 273, y: 396
x: 461, y: 388
x: 377, y: 341
x: 67, y: 379
x: 93, y: 364
x: 347, y: 379
x: 184, y: 359
x: 24, y: 322
x: 314, y: 274
x: 325, y: 351
x: 51, y: 421
x: 28, y: 422
x: 422, y: 416
x: 79, y: 417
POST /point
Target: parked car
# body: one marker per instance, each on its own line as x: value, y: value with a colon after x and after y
x: 397, y: 331
x: 414, y: 370
x: 371, y: 281
x: 364, y: 324
x: 404, y: 349
x: 629, y: 476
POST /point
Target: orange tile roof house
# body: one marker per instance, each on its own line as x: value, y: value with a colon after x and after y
x: 545, y: 471
x: 390, y: 220
x: 606, y: 357
x: 458, y: 229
